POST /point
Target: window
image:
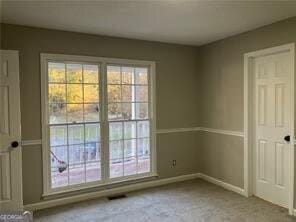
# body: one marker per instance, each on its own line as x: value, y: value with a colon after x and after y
x: 97, y: 121
x: 129, y: 122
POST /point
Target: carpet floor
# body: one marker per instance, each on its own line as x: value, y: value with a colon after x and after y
x: 194, y: 200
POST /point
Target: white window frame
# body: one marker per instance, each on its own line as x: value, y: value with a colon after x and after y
x: 102, y: 62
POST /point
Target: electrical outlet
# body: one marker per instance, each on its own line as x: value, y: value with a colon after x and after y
x: 174, y: 163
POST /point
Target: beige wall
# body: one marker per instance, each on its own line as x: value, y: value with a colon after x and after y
x: 221, y: 68
x: 222, y: 157
x: 196, y: 86
x: 176, y: 80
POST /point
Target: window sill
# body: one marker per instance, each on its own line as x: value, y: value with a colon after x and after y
x: 98, y: 187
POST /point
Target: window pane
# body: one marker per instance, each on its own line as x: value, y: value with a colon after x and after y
x: 116, y: 151
x: 74, y: 93
x: 114, y: 111
x: 92, y: 152
x: 142, y: 110
x: 113, y: 75
x: 127, y: 94
x: 116, y: 168
x: 143, y: 129
x: 58, y: 135
x: 114, y: 93
x: 115, y: 131
x: 76, y: 164
x: 56, y: 93
x: 144, y: 164
x: 143, y: 147
x: 74, y: 73
x: 142, y: 93
x: 92, y: 133
x: 116, y: 159
x: 130, y: 148
x: 76, y: 154
x: 75, y: 113
x: 76, y: 174
x: 143, y: 155
x: 141, y: 75
x: 127, y: 75
x: 93, y: 171
x: 57, y: 113
x: 93, y: 164
x: 127, y: 110
x: 91, y: 113
x: 130, y: 130
x: 58, y: 156
x: 59, y: 166
x: 76, y: 134
x: 130, y: 166
x: 90, y: 73
x: 56, y: 72
x: 91, y: 93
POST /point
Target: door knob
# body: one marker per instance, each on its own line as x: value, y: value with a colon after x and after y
x: 14, y: 144
x: 287, y: 138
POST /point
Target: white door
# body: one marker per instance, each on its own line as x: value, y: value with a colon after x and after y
x: 10, y: 133
x: 273, y: 124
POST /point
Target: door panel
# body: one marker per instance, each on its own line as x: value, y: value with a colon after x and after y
x: 279, y: 105
x: 5, y: 177
x: 4, y: 127
x: 279, y: 163
x: 261, y: 159
x: 262, y: 90
x: 10, y: 158
x: 272, y: 102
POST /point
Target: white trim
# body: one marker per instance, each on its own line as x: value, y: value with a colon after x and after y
x: 45, y: 134
x: 225, y: 132
x: 31, y: 142
x: 129, y: 188
x: 248, y: 119
x: 108, y: 192
x: 220, y: 183
x: 95, y: 59
x: 177, y: 130
x: 153, y: 117
x: 292, y: 145
x: 102, y: 62
x: 101, y: 184
x: 163, y: 131
x: 294, y: 212
x: 204, y: 129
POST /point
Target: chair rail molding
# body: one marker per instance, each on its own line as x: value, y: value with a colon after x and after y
x: 31, y: 142
x: 162, y: 131
x: 225, y: 132
x: 177, y: 130
x: 204, y: 129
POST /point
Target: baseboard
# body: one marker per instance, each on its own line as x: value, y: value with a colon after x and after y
x: 108, y: 192
x: 223, y: 184
x: 129, y: 188
x: 133, y: 187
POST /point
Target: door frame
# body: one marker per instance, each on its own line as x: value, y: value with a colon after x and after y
x: 249, y: 126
